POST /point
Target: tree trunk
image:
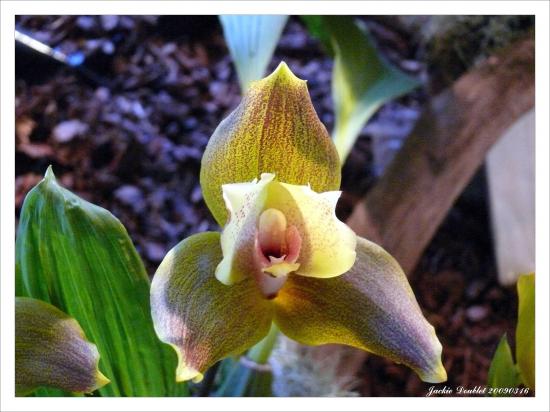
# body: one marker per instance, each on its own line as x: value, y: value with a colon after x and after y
x: 404, y: 209
x: 447, y: 146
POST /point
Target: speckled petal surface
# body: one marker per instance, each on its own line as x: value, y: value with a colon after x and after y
x: 273, y: 130
x: 371, y: 307
x: 200, y: 317
x: 52, y: 351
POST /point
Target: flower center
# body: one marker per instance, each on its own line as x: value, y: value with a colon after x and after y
x: 277, y: 248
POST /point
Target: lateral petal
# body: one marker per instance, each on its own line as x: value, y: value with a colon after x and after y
x: 203, y: 319
x: 244, y: 202
x: 328, y: 245
x: 371, y: 307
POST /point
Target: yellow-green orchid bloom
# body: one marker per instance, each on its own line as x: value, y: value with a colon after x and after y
x: 271, y: 174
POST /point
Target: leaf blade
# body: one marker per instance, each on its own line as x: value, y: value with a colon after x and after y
x: 503, y: 373
x: 242, y: 380
x: 361, y: 80
x: 525, y: 330
x: 80, y: 258
x: 252, y: 40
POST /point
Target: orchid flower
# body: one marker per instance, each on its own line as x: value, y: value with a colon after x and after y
x: 270, y: 176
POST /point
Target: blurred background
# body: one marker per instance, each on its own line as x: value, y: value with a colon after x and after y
x: 125, y: 121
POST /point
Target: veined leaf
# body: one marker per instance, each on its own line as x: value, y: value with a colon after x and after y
x: 251, y: 40
x: 503, y: 373
x: 78, y: 257
x: 362, y: 80
x: 525, y: 330
x: 51, y: 350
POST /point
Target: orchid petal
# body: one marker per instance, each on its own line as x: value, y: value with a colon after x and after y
x: 245, y: 202
x: 51, y: 350
x: 273, y: 130
x: 371, y: 307
x: 266, y: 212
x: 328, y: 245
x: 203, y: 319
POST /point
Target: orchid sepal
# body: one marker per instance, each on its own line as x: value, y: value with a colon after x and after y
x: 51, y: 350
x: 274, y: 129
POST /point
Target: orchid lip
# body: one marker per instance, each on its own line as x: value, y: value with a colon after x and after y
x: 277, y: 245
x: 269, y: 285
x: 277, y: 248
x: 277, y: 228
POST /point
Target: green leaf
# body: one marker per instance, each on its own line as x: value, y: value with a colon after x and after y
x: 318, y: 30
x: 503, y: 372
x: 55, y: 393
x: 51, y: 350
x: 362, y: 80
x: 251, y: 40
x: 273, y: 130
x: 78, y: 257
x: 525, y: 330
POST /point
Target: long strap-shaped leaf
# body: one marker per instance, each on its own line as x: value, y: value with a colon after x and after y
x: 361, y: 80
x: 251, y: 40
x: 79, y: 257
x: 525, y: 330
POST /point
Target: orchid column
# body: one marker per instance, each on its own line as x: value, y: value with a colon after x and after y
x: 270, y: 176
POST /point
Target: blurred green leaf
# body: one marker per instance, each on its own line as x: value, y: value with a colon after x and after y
x: 525, y: 330
x: 317, y: 29
x: 51, y: 350
x: 503, y: 372
x: 51, y: 392
x: 362, y: 80
x: 252, y: 40
x: 78, y: 257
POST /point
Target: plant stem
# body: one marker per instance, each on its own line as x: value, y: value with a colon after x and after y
x: 208, y: 382
x: 261, y: 352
